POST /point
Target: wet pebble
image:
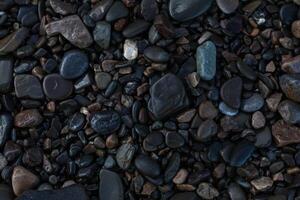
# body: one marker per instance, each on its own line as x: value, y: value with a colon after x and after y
x: 28, y: 118
x: 6, y: 74
x: 102, y: 34
x: 231, y: 92
x: 289, y: 111
x: 137, y: 27
x: 57, y: 88
x: 100, y: 9
x: 28, y: 86
x: 149, y: 9
x: 226, y: 110
x: 285, y: 133
x: 262, y: 183
x: 288, y: 13
x: 206, y: 60
x: 6, y: 123
x: 228, y: 6
x: 102, y: 80
x: 105, y: 122
x: 290, y: 85
x: 174, y: 140
x: 116, y: 11
x: 291, y: 65
x: 253, y: 103
x: 124, y: 155
x: 156, y: 54
x: 76, y: 122
x: 207, y: 191
x: 62, y: 7
x: 111, y: 186
x: 23, y: 180
x: 236, y: 192
x: 147, y: 166
x: 27, y: 15
x: 5, y: 191
x: 130, y: 49
x: 153, y: 141
x: 206, y: 131
x: 12, y: 41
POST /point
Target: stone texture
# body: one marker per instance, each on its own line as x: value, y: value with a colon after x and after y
x: 23, y: 180
x: 12, y: 41
x: 285, y: 134
x: 28, y: 118
x: 206, y: 56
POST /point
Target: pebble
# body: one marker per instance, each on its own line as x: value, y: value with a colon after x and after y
x: 290, y: 85
x: 183, y: 10
x: 27, y: 15
x: 291, y: 65
x: 28, y: 86
x: 206, y: 131
x: 207, y: 191
x: 28, y: 118
x: 102, y: 34
x: 172, y: 167
x: 253, y: 103
x: 6, y: 123
x: 206, y: 56
x: 76, y: 122
x: 156, y: 54
x: 135, y: 28
x: 149, y: 9
x: 71, y: 28
x: 273, y: 101
x: 296, y: 28
x: 263, y: 138
x: 57, y: 88
x: 153, y: 141
x: 111, y: 187
x: 235, y: 192
x: 262, y: 184
x: 105, y: 122
x: 62, y: 7
x: 289, y: 111
x: 174, y: 140
x: 73, y: 192
x: 5, y: 191
x: 258, y: 120
x: 207, y: 110
x: 288, y: 13
x: 23, y: 180
x: 5, y: 4
x: 100, y: 9
x: 165, y: 105
x: 228, y: 6
x: 246, y: 71
x: 116, y: 11
x: 231, y: 92
x: 181, y: 176
x: 285, y: 134
x: 237, y: 155
x: 147, y: 166
x: 33, y: 157
x: 130, y: 49
x: 12, y: 41
x: 226, y: 110
x: 124, y: 155
x: 74, y: 64
x: 6, y: 74
x: 3, y: 162
x: 102, y: 80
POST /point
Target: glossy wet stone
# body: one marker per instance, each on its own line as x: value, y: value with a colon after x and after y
x: 262, y: 183
x: 124, y: 155
x: 57, y: 88
x: 246, y: 71
x: 206, y: 60
x: 285, y: 133
x: 62, y: 7
x: 6, y: 74
x: 102, y: 80
x: 76, y: 122
x: 102, y: 33
x: 206, y: 131
x: 33, y: 157
x: 292, y: 65
x: 28, y: 86
x: 174, y: 140
x: 289, y: 111
x: 100, y: 9
x: 111, y: 186
x: 172, y: 167
x: 156, y: 54
x: 207, y: 191
x: 253, y: 103
x: 73, y: 29
x: 183, y: 10
x: 74, y: 64
x: 153, y: 141
x: 163, y: 102
x: 130, y: 49
x: 23, y: 180
x: 27, y: 15
x: 290, y: 85
x: 135, y: 28
x: 228, y: 6
x: 105, y: 122
x: 75, y: 192
x: 231, y: 92
x: 116, y: 11
x: 12, y: 41
x: 28, y: 118
x: 147, y: 166
x: 226, y: 110
x: 6, y: 122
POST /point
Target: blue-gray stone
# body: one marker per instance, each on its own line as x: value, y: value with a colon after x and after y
x: 111, y: 186
x: 6, y: 123
x: 102, y: 33
x: 105, y: 122
x: 156, y: 54
x: 253, y: 103
x: 117, y: 10
x: 226, y: 110
x: 74, y: 64
x: 6, y: 74
x: 206, y: 60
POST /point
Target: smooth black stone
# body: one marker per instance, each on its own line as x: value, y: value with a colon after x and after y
x: 105, y: 122
x: 111, y: 186
x: 111, y: 88
x: 74, y: 64
x: 73, y: 192
x: 183, y: 10
x: 116, y: 11
x: 246, y: 71
x: 185, y: 196
x: 168, y: 96
x: 172, y: 167
x: 75, y: 148
x: 198, y: 176
x: 5, y: 190
x: 231, y: 92
x: 156, y: 54
x: 214, y: 151
x: 187, y: 67
x: 288, y: 13
x: 33, y: 157
x: 68, y: 106
x: 6, y: 123
x: 237, y: 154
x: 83, y: 82
x: 147, y: 166
x: 253, y: 103
x: 174, y: 140
x: 149, y: 9
x: 228, y: 6
x: 57, y: 88
x: 135, y: 28
x: 102, y: 34
x: 76, y: 122
x: 50, y: 65
x: 28, y: 86
x: 27, y: 15
x: 5, y: 4
x: 153, y: 141
x: 100, y: 9
x: 6, y: 74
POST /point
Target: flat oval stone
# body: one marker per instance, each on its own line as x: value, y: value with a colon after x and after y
x: 105, y: 122
x: 206, y: 60
x: 183, y: 10
x: 28, y: 86
x: 228, y: 6
x: 74, y: 64
x: 117, y: 10
x: 135, y: 28
x: 231, y: 92
x: 6, y: 74
x: 147, y: 166
x: 253, y: 103
x: 153, y: 141
x: 57, y: 88
x: 156, y: 54
x: 289, y: 111
x: 28, y: 118
x: 102, y: 34
x: 111, y: 186
x: 12, y: 41
x: 290, y: 85
x: 174, y: 140
x: 6, y: 123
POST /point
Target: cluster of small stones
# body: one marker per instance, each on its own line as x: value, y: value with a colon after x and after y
x: 149, y: 99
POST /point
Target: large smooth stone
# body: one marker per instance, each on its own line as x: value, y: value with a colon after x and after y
x: 231, y: 92
x: 110, y: 187
x: 290, y: 85
x: 206, y: 60
x: 74, y: 64
x: 149, y: 9
x: 23, y: 180
x: 228, y: 6
x: 28, y: 86
x: 73, y: 29
x: 28, y: 15
x: 291, y: 65
x: 57, y: 88
x: 289, y: 111
x: 253, y: 103
x: 117, y: 10
x: 168, y: 96
x: 100, y: 9
x: 105, y: 122
x: 6, y: 122
x: 147, y: 166
x: 6, y: 74
x: 183, y: 10
x: 12, y: 41
x: 156, y: 54
x: 102, y: 33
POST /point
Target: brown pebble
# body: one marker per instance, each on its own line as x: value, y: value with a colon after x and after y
x: 23, y: 180
x: 207, y: 110
x: 296, y: 28
x: 112, y: 141
x: 181, y: 176
x: 258, y: 120
x: 28, y: 118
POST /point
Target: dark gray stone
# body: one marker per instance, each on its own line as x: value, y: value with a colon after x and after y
x: 6, y: 74
x: 147, y: 166
x: 135, y: 28
x: 102, y: 33
x: 116, y: 11
x: 28, y: 86
x: 105, y: 122
x: 231, y: 92
x: 206, y: 60
x: 156, y: 54
x: 110, y: 187
x: 253, y: 103
x: 57, y: 88
x: 6, y: 123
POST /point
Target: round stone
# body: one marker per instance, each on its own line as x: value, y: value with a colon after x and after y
x: 130, y: 49
x: 57, y: 88
x: 74, y: 64
x: 102, y: 80
x: 28, y: 118
x: 28, y: 86
x: 228, y: 6
x: 156, y: 54
x: 231, y: 92
x: 288, y: 13
x: 105, y: 122
x: 290, y: 85
x: 23, y: 180
x: 147, y: 166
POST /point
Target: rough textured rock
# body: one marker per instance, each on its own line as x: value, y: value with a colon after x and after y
x: 285, y: 134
